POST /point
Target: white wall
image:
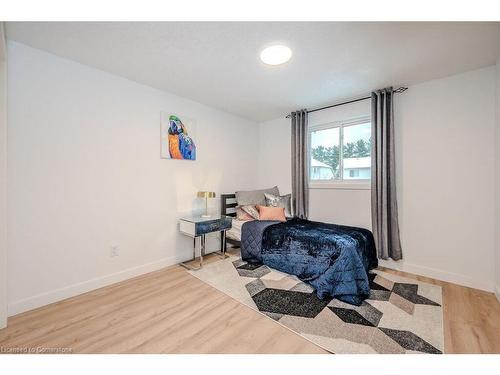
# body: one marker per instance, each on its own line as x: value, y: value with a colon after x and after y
x: 3, y: 181
x: 84, y: 174
x: 445, y: 148
x: 274, y: 154
x: 444, y: 141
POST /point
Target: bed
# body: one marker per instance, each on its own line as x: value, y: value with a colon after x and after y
x: 334, y: 259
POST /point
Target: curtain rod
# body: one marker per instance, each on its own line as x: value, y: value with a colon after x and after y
x: 399, y: 90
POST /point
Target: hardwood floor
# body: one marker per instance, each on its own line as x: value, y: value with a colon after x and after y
x: 170, y: 311
x: 471, y: 317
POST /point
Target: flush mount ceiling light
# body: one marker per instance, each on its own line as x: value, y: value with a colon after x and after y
x: 276, y: 55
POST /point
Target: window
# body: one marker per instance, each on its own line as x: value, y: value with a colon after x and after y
x: 340, y: 152
x: 325, y: 154
x: 353, y: 173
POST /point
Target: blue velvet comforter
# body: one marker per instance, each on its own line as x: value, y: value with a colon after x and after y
x: 334, y: 259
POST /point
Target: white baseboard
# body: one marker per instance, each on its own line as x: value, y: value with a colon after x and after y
x: 47, y: 298
x: 438, y: 274
x: 497, y: 293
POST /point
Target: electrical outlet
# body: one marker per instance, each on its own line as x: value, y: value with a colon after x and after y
x: 114, y: 251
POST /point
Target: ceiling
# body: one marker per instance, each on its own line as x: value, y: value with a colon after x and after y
x: 217, y: 63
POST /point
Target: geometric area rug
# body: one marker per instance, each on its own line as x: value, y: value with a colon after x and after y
x: 401, y: 315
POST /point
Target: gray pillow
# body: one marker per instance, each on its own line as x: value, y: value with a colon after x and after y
x: 284, y: 201
x: 254, y: 197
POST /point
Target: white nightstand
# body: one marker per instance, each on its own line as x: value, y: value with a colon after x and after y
x: 200, y: 226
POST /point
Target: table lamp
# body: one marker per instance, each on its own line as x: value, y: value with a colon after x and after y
x: 206, y: 195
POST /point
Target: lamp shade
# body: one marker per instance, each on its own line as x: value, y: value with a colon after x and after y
x: 206, y: 194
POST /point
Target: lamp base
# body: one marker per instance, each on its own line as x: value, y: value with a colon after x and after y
x: 206, y: 215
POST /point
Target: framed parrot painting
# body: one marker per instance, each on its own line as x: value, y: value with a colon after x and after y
x: 177, y: 137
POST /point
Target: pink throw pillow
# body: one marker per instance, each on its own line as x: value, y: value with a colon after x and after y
x: 271, y: 213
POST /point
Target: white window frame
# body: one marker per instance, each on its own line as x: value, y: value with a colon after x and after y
x: 350, y: 184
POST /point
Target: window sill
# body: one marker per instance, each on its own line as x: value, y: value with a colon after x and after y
x: 340, y: 185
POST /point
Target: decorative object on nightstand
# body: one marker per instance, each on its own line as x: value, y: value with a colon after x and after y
x: 200, y: 226
x: 206, y: 195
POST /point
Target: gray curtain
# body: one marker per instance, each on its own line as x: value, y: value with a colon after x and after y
x: 300, y: 172
x: 385, y: 225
